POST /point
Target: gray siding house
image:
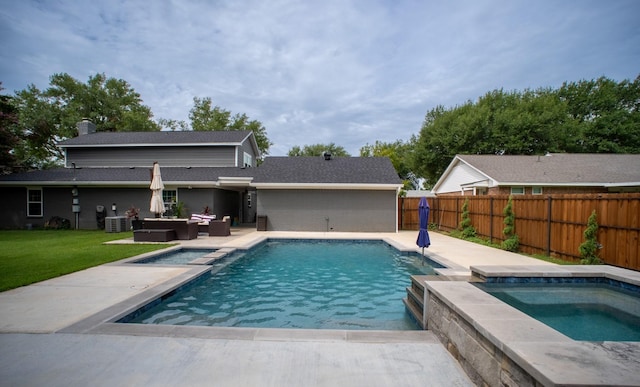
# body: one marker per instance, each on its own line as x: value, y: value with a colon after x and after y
x: 218, y: 170
x: 113, y: 171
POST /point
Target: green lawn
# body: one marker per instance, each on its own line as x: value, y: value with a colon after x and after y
x: 32, y: 256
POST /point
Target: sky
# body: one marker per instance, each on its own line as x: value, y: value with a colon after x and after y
x: 351, y: 72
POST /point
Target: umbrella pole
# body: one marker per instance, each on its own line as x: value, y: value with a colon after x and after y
x: 422, y: 260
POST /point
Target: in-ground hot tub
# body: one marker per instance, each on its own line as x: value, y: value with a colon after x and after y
x: 583, y: 308
x: 497, y: 343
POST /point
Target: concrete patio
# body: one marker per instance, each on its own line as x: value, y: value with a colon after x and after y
x: 57, y: 332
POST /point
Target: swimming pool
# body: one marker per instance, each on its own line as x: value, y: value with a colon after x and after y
x: 180, y: 256
x: 314, y: 284
x: 586, y: 309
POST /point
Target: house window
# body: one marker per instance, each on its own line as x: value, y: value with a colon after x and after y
x: 517, y: 190
x: 248, y: 160
x: 536, y: 190
x: 34, y: 202
x: 169, y: 197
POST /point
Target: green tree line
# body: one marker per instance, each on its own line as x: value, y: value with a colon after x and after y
x: 587, y: 116
x: 596, y: 116
x: 33, y: 121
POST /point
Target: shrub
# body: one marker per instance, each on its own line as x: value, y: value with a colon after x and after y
x: 512, y: 241
x: 57, y: 223
x: 468, y: 231
x: 589, y: 248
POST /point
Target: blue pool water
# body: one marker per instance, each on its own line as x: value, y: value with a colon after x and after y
x: 176, y: 257
x: 583, y: 311
x: 298, y: 284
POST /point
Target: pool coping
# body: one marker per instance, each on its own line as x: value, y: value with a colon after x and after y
x: 106, y: 320
x: 545, y: 354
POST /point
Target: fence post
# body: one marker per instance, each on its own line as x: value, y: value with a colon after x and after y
x: 491, y: 219
x: 401, y: 203
x: 548, y: 226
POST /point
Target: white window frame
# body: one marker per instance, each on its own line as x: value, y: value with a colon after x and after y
x: 536, y: 190
x: 30, y: 202
x: 167, y: 204
x: 513, y: 192
x: 247, y: 160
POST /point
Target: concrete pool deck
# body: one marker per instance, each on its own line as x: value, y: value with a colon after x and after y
x: 53, y: 333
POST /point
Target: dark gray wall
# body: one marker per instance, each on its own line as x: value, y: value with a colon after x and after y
x: 246, y: 147
x: 196, y: 156
x: 13, y: 208
x: 57, y: 201
x: 249, y: 211
x: 328, y: 210
x: 226, y: 203
x: 124, y: 198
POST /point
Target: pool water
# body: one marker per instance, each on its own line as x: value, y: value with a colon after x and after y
x: 582, y: 311
x: 176, y: 257
x: 298, y: 284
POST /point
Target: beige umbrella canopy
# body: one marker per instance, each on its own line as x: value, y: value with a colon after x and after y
x: 157, y: 204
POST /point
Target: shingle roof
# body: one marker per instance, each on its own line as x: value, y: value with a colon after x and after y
x: 285, y: 170
x: 317, y: 170
x: 157, y: 138
x: 559, y: 168
x: 126, y: 176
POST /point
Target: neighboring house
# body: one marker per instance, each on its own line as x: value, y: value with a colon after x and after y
x: 328, y: 194
x: 214, y: 169
x: 557, y: 173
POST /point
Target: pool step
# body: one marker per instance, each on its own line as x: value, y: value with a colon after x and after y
x: 414, y: 302
x: 212, y: 257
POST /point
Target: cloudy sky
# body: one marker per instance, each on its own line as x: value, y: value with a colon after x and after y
x: 344, y: 71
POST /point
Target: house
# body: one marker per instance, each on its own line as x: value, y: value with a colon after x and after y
x: 556, y: 173
x: 105, y: 173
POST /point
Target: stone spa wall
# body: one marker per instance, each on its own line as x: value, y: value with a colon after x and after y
x: 484, y: 363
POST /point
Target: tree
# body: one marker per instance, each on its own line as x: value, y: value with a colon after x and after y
x: 598, y: 116
x: 48, y: 116
x: 589, y: 248
x: 400, y: 154
x: 606, y: 113
x: 318, y: 150
x: 8, y: 137
x: 468, y: 231
x: 512, y: 240
x: 499, y: 123
x: 205, y: 116
x: 172, y: 124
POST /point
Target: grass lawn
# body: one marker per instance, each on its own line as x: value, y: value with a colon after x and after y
x: 32, y: 256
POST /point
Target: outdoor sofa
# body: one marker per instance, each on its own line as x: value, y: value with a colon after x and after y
x: 184, y: 228
x: 210, y: 225
x: 220, y: 227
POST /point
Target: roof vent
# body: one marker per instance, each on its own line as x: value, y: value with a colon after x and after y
x: 327, y: 156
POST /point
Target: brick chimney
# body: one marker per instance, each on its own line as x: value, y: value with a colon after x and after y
x: 85, y: 127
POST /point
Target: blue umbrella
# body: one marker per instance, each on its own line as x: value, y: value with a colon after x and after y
x: 423, y: 214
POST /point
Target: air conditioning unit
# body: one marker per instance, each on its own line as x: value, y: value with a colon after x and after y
x: 116, y: 224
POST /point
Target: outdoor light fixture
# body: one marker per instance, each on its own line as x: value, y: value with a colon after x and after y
x: 114, y: 208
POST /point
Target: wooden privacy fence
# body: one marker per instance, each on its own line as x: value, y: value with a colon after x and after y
x: 546, y: 224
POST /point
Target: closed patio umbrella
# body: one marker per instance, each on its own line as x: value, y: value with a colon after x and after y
x: 423, y: 215
x: 157, y: 204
